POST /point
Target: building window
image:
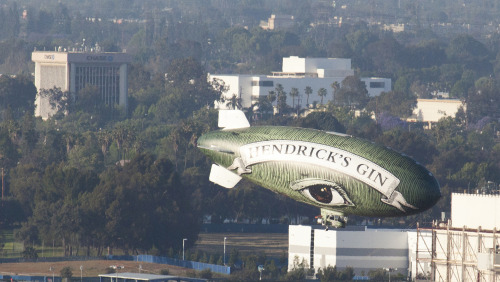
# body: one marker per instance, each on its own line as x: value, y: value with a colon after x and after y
x: 263, y: 83
x: 106, y: 78
x: 377, y: 84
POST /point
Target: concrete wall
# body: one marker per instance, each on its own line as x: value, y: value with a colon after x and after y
x: 474, y: 210
x: 431, y: 110
x: 363, y: 250
x: 295, y: 64
x: 299, y: 245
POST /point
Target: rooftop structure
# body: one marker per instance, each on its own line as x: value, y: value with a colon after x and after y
x: 73, y: 71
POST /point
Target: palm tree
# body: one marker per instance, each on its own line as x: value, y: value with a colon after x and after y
x: 322, y: 93
x: 335, y: 86
x: 294, y: 92
x: 271, y: 97
x: 308, y: 92
x: 234, y: 102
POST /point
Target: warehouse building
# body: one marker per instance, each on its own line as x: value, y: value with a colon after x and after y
x: 465, y: 248
x: 73, y: 71
x: 362, y: 249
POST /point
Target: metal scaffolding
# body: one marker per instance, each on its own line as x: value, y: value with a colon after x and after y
x: 444, y: 253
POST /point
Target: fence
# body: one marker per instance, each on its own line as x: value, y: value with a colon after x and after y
x: 51, y: 259
x: 177, y: 262
x: 144, y: 258
x: 46, y: 278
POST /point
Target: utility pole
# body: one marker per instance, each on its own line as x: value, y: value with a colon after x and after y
x: 2, y: 186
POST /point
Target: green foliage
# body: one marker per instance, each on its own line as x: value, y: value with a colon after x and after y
x: 61, y: 174
x: 400, y: 104
x: 164, y: 271
x: 30, y: 253
x: 321, y: 120
x: 330, y: 273
x: 206, y: 273
x: 414, y: 144
x: 66, y: 272
x: 378, y: 275
x: 353, y: 93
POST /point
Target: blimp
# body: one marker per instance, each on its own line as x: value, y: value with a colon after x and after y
x: 341, y: 174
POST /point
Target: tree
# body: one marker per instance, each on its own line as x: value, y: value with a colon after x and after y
x: 322, y: 121
x: 352, y: 93
x: 294, y: 93
x: 59, y: 101
x: 188, y: 91
x: 17, y: 94
x: 30, y: 253
x: 66, y: 272
x: 322, y: 93
x: 89, y: 100
x: 464, y: 49
x: 414, y: 144
x: 335, y: 86
x: 328, y: 273
x: 142, y: 202
x: 400, y: 104
x: 483, y: 100
x: 308, y: 90
x: 281, y: 99
x: 234, y: 102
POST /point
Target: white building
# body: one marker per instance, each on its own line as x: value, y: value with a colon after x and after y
x: 467, y: 248
x: 432, y: 110
x: 363, y: 250
x: 278, y: 22
x: 475, y: 210
x: 297, y: 73
x: 72, y: 71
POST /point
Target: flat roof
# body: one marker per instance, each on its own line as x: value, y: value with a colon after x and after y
x: 148, y: 277
x: 56, y: 57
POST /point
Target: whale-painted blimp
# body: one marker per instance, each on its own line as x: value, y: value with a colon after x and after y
x: 338, y: 173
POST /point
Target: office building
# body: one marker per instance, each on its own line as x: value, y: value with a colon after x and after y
x: 73, y: 71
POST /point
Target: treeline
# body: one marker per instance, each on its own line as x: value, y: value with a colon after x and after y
x: 99, y: 176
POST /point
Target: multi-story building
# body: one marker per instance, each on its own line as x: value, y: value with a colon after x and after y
x: 73, y: 71
x: 297, y: 73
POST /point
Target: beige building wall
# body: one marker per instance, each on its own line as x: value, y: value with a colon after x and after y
x: 432, y: 110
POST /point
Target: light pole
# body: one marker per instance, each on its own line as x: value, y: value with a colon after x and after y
x: 183, y: 240
x: 225, y: 251
x: 390, y: 270
x: 52, y: 269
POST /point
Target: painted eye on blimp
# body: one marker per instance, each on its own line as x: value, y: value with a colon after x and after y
x: 322, y: 192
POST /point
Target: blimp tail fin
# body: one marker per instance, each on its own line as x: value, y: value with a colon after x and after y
x: 223, y: 176
x: 232, y: 119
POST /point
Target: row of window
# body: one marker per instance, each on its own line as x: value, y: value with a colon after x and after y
x: 270, y: 83
x: 106, y: 78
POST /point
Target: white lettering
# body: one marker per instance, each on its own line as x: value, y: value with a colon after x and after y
x: 326, y: 156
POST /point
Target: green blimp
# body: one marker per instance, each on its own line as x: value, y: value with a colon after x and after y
x: 338, y: 173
